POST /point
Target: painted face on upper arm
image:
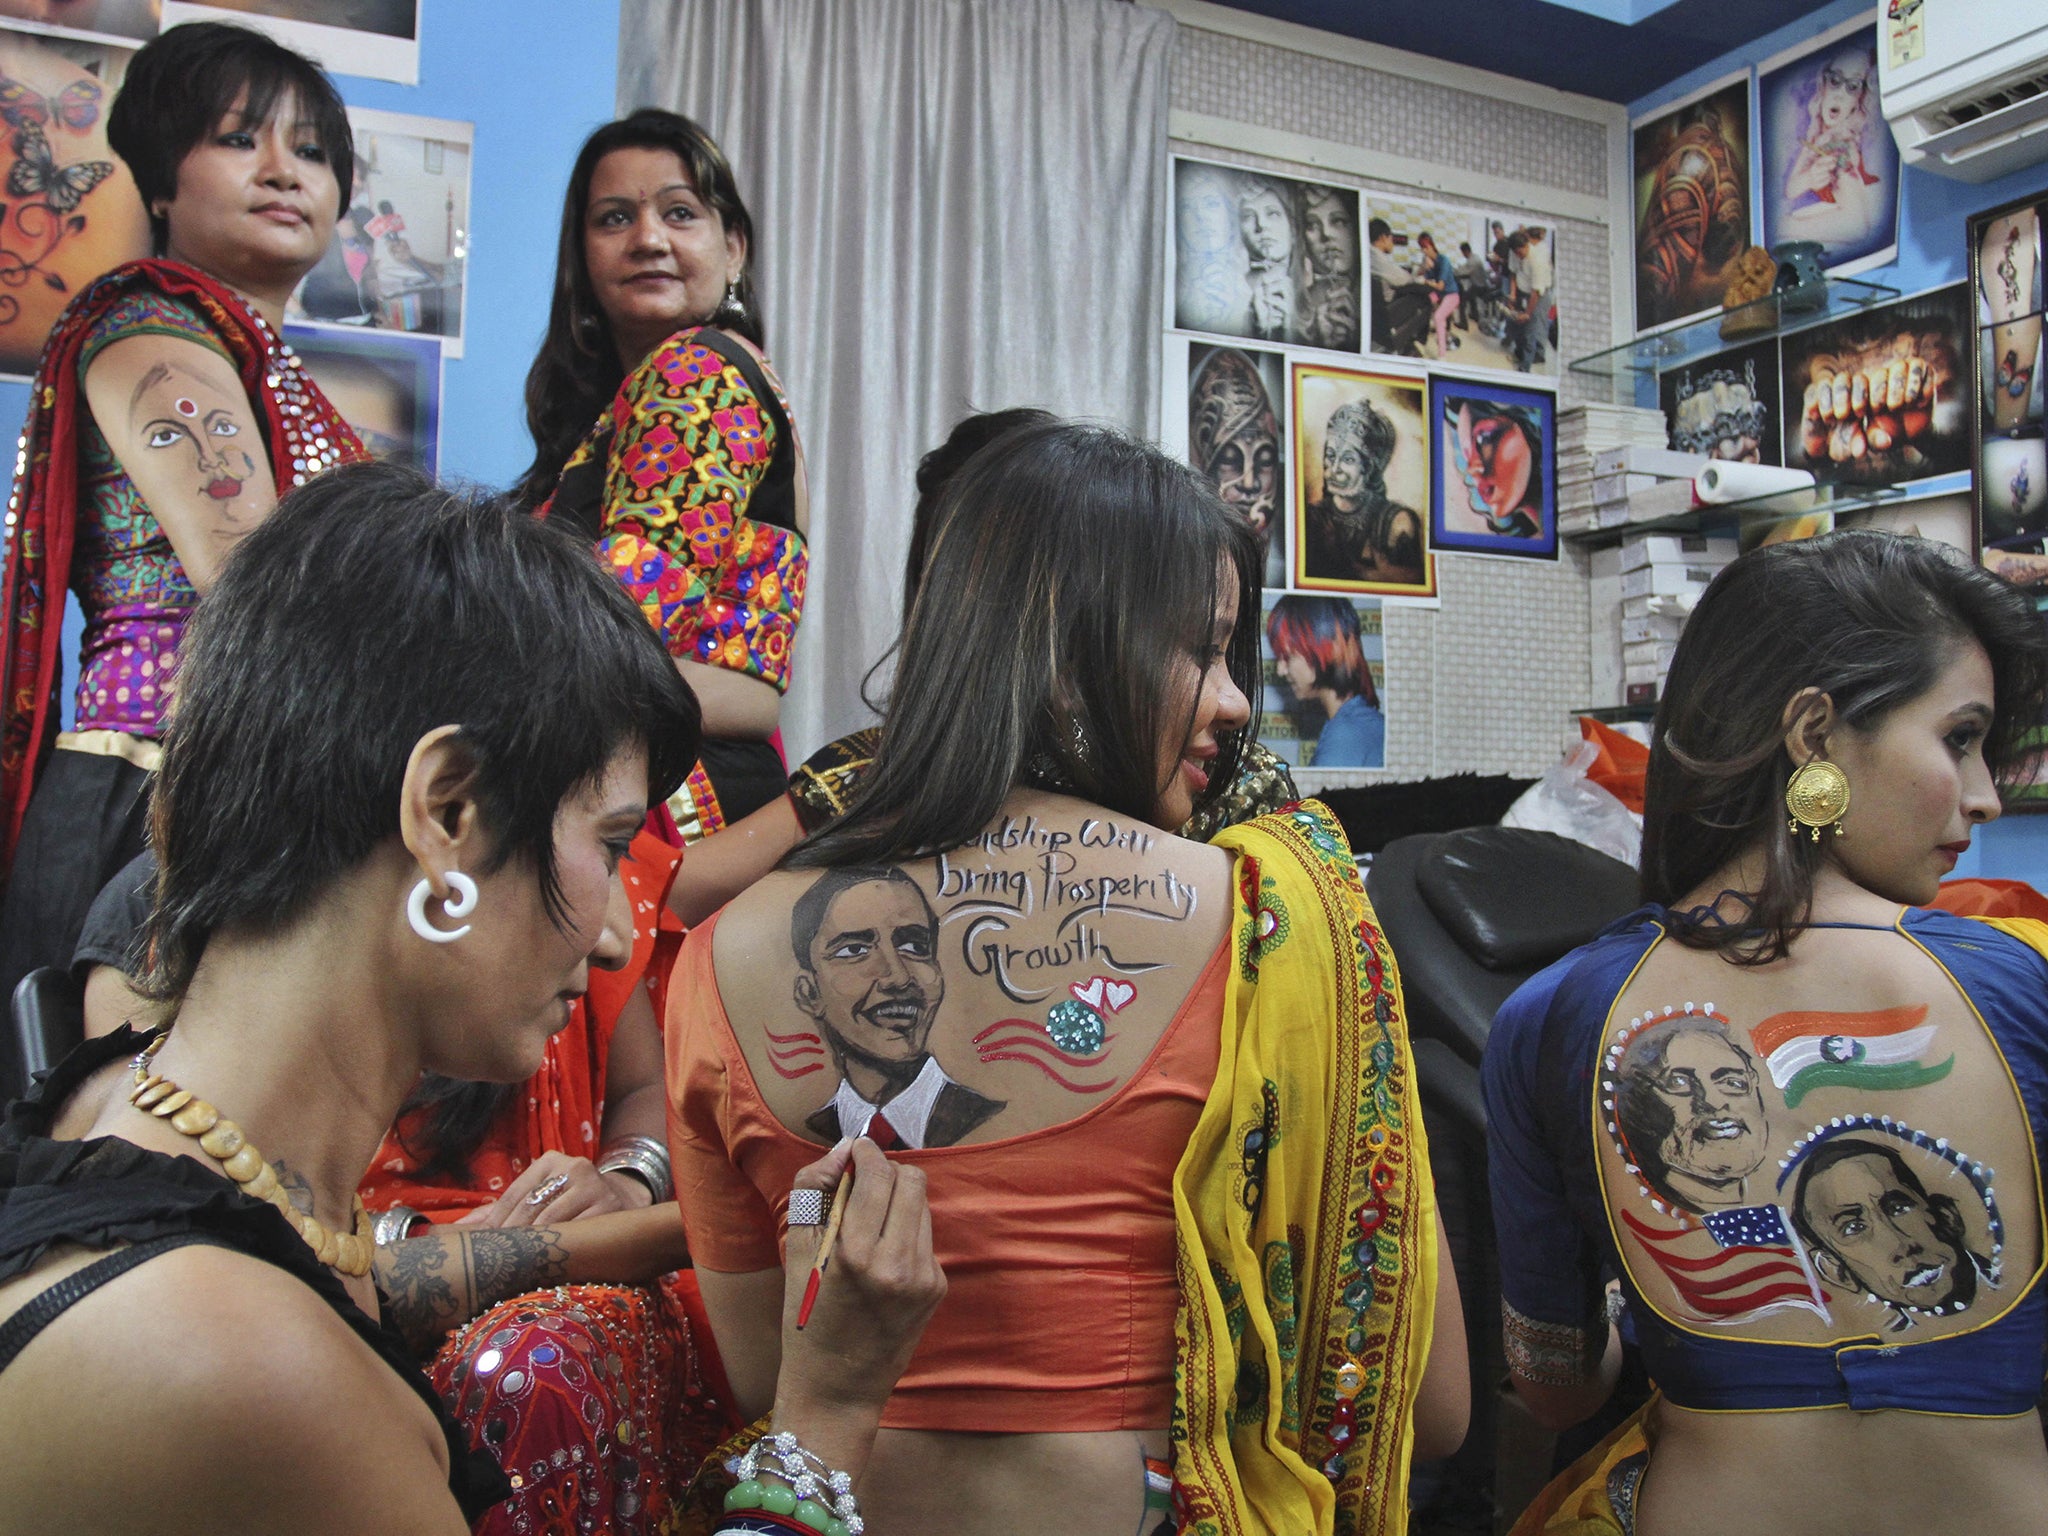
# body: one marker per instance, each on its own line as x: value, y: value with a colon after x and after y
x: 197, y: 425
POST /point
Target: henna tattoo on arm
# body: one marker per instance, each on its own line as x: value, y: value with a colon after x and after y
x: 440, y: 1280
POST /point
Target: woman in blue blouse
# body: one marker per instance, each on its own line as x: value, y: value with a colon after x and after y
x: 1316, y: 650
x: 1793, y: 1120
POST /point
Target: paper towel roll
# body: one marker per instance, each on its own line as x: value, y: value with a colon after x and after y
x: 1727, y: 480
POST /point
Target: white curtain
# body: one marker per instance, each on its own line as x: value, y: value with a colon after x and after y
x: 961, y: 206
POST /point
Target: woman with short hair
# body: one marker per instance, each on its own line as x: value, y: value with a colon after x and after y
x: 166, y: 418
x: 358, y: 884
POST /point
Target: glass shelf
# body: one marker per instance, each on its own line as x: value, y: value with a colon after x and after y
x: 1619, y: 714
x: 1627, y: 367
x: 1731, y: 517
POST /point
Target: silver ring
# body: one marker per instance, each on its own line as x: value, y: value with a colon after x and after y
x: 806, y: 1208
x: 547, y: 1190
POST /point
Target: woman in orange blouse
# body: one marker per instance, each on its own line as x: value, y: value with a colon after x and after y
x: 660, y: 430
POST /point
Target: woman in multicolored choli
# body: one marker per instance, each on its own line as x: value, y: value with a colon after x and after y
x: 1160, y: 1090
x: 1797, y: 1117
x: 165, y: 420
x: 661, y: 432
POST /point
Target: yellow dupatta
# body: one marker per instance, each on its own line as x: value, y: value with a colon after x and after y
x: 1305, y: 1212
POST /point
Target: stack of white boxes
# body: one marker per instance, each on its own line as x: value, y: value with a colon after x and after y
x: 1642, y: 590
x: 1589, y: 498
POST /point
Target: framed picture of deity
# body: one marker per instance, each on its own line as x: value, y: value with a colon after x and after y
x: 1494, y: 469
x: 1361, y: 483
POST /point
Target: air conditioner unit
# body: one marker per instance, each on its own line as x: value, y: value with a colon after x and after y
x: 1965, y: 84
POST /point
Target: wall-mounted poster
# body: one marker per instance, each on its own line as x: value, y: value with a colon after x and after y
x: 1324, y: 664
x: 126, y: 22
x: 1460, y: 286
x: 1691, y: 202
x: 1494, y: 470
x: 1234, y: 438
x: 1265, y: 257
x: 2010, y: 449
x: 400, y: 251
x: 387, y: 385
x: 377, y: 38
x: 1830, y: 164
x: 1361, y: 454
x: 1881, y: 395
x: 1726, y: 406
x: 70, y: 210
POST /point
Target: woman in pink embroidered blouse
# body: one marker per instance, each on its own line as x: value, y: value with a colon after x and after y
x: 660, y: 430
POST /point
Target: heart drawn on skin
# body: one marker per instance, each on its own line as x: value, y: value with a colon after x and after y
x: 1090, y: 994
x: 1117, y: 994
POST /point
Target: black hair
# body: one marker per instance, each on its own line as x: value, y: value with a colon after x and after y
x: 577, y: 369
x: 179, y: 87
x: 1944, y: 1216
x: 969, y: 436
x: 1869, y: 619
x: 807, y: 916
x: 1375, y: 228
x: 1072, y: 567
x: 371, y: 607
x: 1644, y: 1117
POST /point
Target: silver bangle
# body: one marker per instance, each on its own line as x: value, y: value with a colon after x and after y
x: 392, y: 1226
x: 646, y: 1159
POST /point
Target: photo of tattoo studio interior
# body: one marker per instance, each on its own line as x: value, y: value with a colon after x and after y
x: 958, y: 767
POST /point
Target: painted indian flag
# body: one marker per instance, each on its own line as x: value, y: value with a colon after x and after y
x: 1885, y: 1048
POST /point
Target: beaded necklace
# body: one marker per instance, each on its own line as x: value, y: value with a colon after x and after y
x: 222, y: 1140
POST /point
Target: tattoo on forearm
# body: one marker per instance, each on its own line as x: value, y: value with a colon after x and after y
x: 441, y: 1280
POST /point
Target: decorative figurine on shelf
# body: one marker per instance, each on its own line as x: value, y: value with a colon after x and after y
x: 1751, y: 276
x: 1801, y: 285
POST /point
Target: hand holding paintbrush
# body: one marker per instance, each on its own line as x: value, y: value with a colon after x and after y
x: 869, y: 1285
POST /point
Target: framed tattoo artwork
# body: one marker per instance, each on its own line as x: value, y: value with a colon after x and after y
x: 1692, y: 215
x: 1494, y: 470
x: 1265, y: 257
x: 1828, y: 162
x: 1237, y: 440
x: 127, y: 23
x: 1361, y: 485
x: 1878, y: 396
x: 386, y: 384
x: 2008, y: 454
x: 71, y: 211
x: 1726, y: 406
x: 1323, y: 662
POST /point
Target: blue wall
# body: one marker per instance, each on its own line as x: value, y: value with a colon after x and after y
x: 534, y: 76
x: 1931, y: 252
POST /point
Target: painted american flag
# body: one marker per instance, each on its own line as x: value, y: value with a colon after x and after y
x: 1758, y: 1264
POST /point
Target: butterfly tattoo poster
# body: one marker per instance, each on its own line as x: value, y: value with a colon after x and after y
x: 69, y: 210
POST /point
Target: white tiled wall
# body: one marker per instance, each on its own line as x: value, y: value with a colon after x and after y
x: 1487, y: 682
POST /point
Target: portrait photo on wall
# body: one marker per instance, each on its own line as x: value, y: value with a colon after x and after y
x: 378, y: 39
x: 1830, y: 167
x: 386, y: 384
x: 399, y: 253
x: 1266, y: 257
x: 126, y: 22
x: 70, y: 210
x: 1881, y: 395
x: 1460, y: 286
x: 1494, y: 470
x: 1235, y: 438
x: 1361, y: 455
x: 1324, y: 665
x: 1725, y: 406
x: 1691, y: 202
